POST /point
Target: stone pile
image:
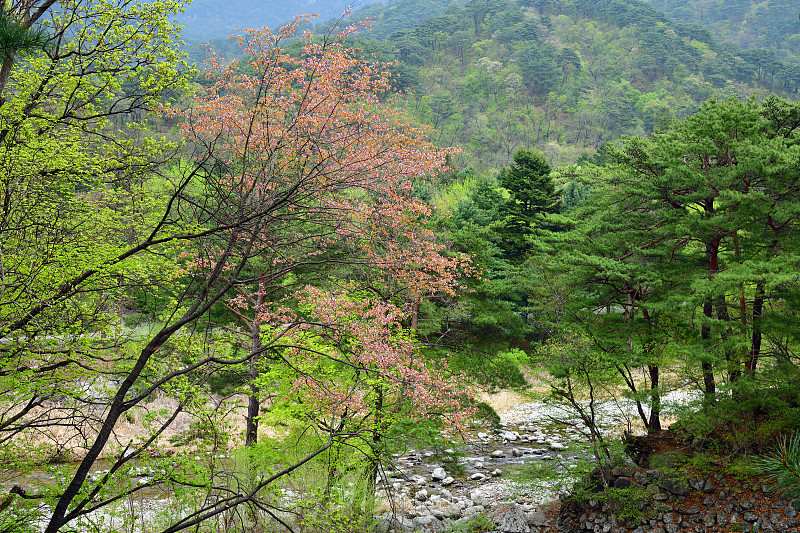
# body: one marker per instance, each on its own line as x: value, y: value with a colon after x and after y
x: 668, y: 503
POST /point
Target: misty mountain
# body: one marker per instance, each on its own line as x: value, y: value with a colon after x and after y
x: 211, y: 19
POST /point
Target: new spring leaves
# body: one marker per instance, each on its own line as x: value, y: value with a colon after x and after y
x: 315, y: 139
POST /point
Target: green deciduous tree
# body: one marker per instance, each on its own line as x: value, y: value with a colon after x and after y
x: 96, y: 209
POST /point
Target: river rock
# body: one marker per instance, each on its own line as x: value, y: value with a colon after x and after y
x: 536, y: 518
x: 483, y: 436
x: 438, y: 474
x: 557, y: 445
x: 438, y: 514
x: 454, y: 511
x: 388, y: 522
x: 478, y: 498
x: 477, y: 477
x: 516, y: 452
x: 511, y: 521
x: 498, y: 454
x: 509, y: 435
x: 473, y: 510
x: 674, y: 484
x: 421, y: 495
x: 424, y: 522
x: 447, y: 481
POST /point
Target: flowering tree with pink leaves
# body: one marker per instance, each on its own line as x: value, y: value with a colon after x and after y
x: 318, y: 142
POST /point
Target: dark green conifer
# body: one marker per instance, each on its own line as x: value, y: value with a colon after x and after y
x: 18, y: 39
x: 533, y: 194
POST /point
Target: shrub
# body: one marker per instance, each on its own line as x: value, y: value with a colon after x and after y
x: 783, y: 466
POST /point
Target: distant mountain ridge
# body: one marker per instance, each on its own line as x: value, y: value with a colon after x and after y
x: 213, y: 19
x: 562, y: 76
x: 770, y: 24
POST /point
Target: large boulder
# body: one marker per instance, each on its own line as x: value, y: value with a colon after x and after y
x: 510, y: 520
x: 438, y: 474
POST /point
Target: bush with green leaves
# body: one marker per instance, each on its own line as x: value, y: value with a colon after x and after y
x: 478, y: 524
x: 782, y: 467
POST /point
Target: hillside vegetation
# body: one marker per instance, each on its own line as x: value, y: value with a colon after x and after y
x: 491, y: 77
x: 253, y: 288
x: 771, y: 24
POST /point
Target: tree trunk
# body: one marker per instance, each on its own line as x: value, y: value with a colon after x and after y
x: 712, y: 249
x: 253, y: 402
x: 755, y: 343
x: 415, y: 315
x: 709, y: 387
x: 733, y: 362
x: 655, y: 400
x: 253, y: 399
x: 364, y: 505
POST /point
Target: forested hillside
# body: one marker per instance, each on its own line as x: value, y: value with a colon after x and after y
x: 771, y: 25
x: 491, y: 77
x: 278, y: 292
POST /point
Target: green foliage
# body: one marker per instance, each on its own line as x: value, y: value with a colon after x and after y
x: 451, y: 459
x: 744, y: 468
x: 18, y: 40
x: 540, y: 68
x: 532, y: 192
x: 744, y: 423
x: 478, y: 524
x: 409, y: 433
x: 17, y: 522
x: 574, y: 194
x: 626, y: 503
x: 752, y: 24
x: 225, y: 381
x: 669, y: 460
x: 487, y: 415
x: 601, y: 73
x: 495, y: 371
x: 782, y: 467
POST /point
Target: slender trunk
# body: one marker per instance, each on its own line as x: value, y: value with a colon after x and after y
x: 415, y: 315
x: 5, y: 73
x: 709, y: 387
x: 202, y: 303
x: 654, y: 423
x: 712, y: 249
x: 655, y: 400
x: 253, y: 399
x: 733, y: 363
x: 370, y: 475
x: 333, y: 477
x: 628, y: 377
x: 253, y: 402
x: 755, y: 343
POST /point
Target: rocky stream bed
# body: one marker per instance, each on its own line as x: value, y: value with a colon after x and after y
x: 418, y: 494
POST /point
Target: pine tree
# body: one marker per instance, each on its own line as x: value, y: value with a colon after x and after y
x: 532, y: 194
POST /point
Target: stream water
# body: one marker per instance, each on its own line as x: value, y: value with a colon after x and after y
x: 488, y: 460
